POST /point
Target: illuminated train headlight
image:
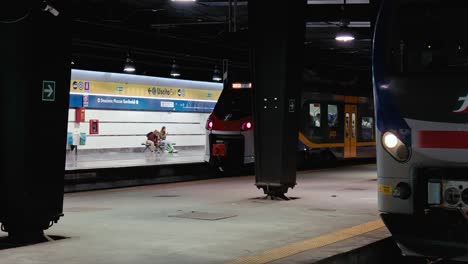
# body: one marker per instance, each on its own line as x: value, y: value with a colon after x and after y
x: 393, y: 145
x: 390, y: 140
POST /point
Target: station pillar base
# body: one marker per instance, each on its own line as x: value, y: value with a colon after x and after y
x: 275, y: 192
x: 27, y: 237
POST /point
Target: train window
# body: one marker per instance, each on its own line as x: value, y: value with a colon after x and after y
x: 347, y: 125
x: 353, y: 124
x: 314, y: 112
x: 235, y: 103
x: 367, y: 129
x: 332, y: 116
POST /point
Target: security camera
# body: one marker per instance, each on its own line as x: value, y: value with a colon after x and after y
x: 48, y: 8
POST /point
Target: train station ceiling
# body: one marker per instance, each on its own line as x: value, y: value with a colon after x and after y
x: 199, y: 34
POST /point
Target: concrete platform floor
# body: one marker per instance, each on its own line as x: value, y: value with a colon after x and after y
x: 136, y: 225
x: 116, y: 159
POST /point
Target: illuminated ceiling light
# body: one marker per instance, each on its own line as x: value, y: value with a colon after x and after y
x: 217, y: 75
x: 344, y: 35
x: 129, y: 65
x: 46, y: 7
x: 72, y: 62
x: 175, y: 70
x: 183, y: 0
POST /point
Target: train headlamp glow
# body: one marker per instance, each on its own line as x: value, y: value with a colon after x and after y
x: 390, y: 140
x: 395, y: 147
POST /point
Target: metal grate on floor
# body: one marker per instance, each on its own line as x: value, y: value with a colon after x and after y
x: 204, y: 216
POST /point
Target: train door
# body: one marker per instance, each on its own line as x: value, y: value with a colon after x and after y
x: 350, y: 131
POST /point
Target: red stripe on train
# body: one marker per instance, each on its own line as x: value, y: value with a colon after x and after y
x: 443, y: 139
x: 230, y: 125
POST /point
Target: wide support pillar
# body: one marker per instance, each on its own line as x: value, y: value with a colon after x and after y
x: 35, y: 83
x: 277, y: 40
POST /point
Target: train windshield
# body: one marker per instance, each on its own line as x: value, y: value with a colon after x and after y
x: 427, y: 55
x: 431, y: 38
x: 234, y: 102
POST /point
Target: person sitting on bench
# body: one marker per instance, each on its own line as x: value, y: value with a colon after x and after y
x: 168, y: 145
x: 152, y: 139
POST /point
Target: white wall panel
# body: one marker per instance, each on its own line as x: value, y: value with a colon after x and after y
x: 109, y: 142
x: 143, y: 116
x: 120, y: 129
x: 142, y: 129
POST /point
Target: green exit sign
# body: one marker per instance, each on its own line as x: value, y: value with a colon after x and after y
x: 48, y: 91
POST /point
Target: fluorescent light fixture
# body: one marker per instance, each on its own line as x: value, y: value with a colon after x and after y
x: 216, y: 75
x: 344, y: 38
x: 183, y: 0
x: 336, y: 2
x: 344, y: 35
x: 129, y: 65
x: 241, y: 85
x: 175, y: 70
x: 48, y: 8
x: 329, y: 24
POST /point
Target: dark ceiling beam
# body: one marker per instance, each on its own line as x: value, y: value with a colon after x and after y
x: 170, y: 25
x: 221, y: 49
x: 353, y: 12
x: 220, y: 3
x: 115, y: 51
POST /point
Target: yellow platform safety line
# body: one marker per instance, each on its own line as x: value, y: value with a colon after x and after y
x: 317, y: 242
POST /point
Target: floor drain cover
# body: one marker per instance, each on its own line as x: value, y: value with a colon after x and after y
x: 6, y: 242
x: 167, y: 196
x: 84, y: 209
x: 204, y: 216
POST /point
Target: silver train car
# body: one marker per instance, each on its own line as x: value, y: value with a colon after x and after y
x: 420, y: 72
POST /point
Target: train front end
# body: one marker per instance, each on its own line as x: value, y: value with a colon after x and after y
x: 420, y: 71
x: 229, y: 129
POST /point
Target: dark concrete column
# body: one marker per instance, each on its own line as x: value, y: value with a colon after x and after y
x: 34, y: 82
x: 277, y: 30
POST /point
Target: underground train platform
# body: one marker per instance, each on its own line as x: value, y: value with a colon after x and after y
x: 330, y: 213
x: 308, y: 131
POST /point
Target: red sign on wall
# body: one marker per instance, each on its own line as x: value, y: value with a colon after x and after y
x: 93, y: 126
